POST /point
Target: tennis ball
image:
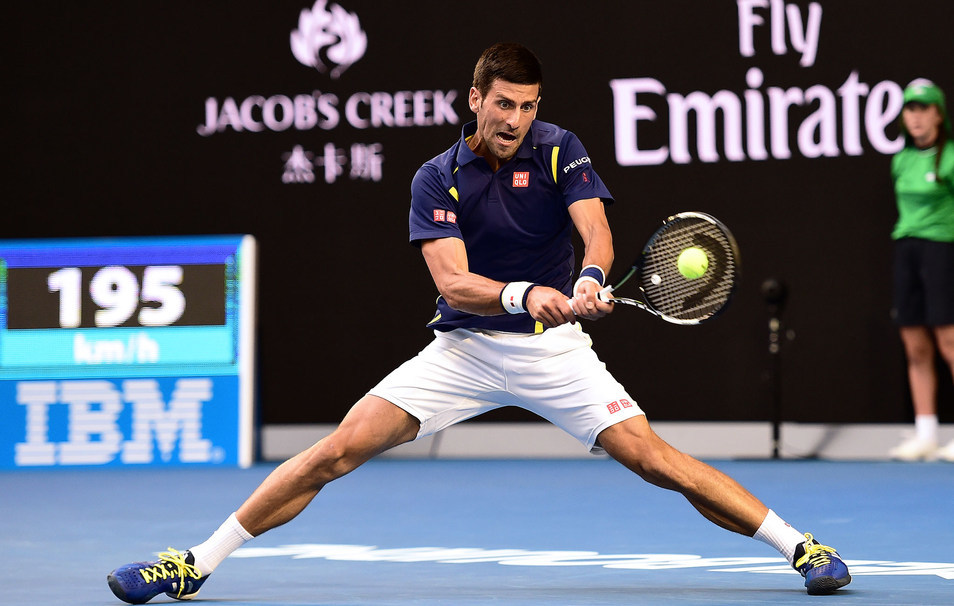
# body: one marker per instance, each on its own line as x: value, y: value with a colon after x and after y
x: 693, y: 263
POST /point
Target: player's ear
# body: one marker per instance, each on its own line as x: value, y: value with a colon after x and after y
x: 474, y: 99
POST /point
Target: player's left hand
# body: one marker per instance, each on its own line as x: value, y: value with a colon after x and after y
x: 586, y: 304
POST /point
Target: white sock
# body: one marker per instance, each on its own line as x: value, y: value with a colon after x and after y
x: 229, y: 537
x: 926, y: 427
x: 779, y: 534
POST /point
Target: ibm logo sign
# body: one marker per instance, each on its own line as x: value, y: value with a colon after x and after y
x: 94, y: 430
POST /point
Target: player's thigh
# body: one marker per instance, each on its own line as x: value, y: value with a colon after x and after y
x: 372, y: 426
x: 561, y: 379
x: 456, y: 377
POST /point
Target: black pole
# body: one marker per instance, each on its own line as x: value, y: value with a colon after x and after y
x: 774, y: 292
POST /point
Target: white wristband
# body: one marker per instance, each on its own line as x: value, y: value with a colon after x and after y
x: 513, y: 297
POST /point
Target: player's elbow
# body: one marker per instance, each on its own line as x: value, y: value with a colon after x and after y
x: 453, y: 289
x: 454, y: 299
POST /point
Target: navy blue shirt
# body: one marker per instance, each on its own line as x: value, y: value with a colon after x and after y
x: 514, y: 222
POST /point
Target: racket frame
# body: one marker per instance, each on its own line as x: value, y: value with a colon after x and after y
x: 637, y: 268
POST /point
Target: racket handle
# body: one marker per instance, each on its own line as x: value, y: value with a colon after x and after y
x: 601, y: 295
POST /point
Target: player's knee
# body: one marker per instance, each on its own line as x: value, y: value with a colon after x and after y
x: 921, y: 358
x: 641, y: 451
x: 945, y: 344
x: 919, y: 347
x: 655, y: 464
x: 329, y: 459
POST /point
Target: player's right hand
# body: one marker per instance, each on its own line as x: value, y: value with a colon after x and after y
x: 550, y: 307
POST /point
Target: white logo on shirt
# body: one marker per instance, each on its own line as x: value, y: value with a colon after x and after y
x: 575, y: 163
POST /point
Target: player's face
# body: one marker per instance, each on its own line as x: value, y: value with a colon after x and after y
x: 923, y: 123
x: 503, y: 118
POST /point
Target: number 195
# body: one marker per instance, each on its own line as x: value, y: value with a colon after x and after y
x: 116, y: 291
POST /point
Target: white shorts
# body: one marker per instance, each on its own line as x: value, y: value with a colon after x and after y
x: 555, y: 375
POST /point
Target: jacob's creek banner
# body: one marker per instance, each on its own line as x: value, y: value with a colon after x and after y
x: 303, y: 122
x: 126, y: 351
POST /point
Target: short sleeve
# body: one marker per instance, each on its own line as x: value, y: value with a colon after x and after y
x: 433, y: 208
x: 576, y: 176
x: 947, y: 163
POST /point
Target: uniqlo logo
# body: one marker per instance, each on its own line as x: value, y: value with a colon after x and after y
x: 521, y: 179
x: 625, y: 403
x: 613, y: 407
x: 439, y: 214
x: 451, y: 217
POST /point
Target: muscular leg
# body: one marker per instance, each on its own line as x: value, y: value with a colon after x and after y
x: 372, y: 426
x: 945, y: 344
x: 922, y: 375
x: 718, y: 497
x: 944, y: 336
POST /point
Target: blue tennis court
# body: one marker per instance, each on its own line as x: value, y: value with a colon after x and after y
x: 462, y: 533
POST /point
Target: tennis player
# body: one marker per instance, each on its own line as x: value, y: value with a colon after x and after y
x: 493, y: 217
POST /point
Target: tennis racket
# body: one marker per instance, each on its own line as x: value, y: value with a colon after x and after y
x: 663, y: 290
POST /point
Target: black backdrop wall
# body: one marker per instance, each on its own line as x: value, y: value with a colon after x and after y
x: 193, y: 118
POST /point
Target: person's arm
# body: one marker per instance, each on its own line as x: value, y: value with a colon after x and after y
x: 472, y: 293
x: 463, y: 290
x: 589, y: 217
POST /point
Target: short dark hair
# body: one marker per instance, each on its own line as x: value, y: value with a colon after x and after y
x: 510, y: 62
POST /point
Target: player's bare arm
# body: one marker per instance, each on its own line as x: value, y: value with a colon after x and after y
x: 466, y: 291
x: 589, y: 218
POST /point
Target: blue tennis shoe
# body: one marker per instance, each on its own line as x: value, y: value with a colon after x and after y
x: 174, y: 574
x: 821, y: 566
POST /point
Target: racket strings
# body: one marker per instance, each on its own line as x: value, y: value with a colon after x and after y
x: 668, y: 291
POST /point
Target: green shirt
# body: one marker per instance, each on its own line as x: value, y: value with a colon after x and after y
x: 925, y: 203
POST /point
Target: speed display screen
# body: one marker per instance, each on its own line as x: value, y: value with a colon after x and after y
x: 116, y: 295
x: 99, y: 303
x: 127, y: 351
